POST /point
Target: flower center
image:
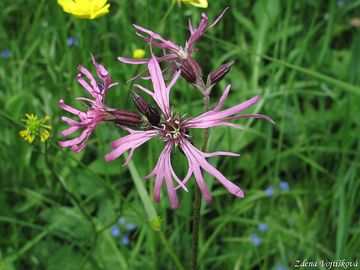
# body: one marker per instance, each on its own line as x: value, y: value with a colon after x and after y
x: 172, y: 129
x: 182, y: 53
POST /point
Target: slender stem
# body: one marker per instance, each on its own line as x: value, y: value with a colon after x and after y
x: 166, y: 14
x: 205, y: 137
x: 196, y: 227
x: 170, y: 251
x: 197, y: 195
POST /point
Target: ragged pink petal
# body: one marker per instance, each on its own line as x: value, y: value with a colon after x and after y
x: 89, y: 76
x: 70, y: 121
x: 200, y: 31
x: 259, y: 116
x: 201, y: 183
x: 216, y: 117
x: 68, y: 108
x: 138, y: 135
x: 142, y: 88
x: 170, y: 45
x: 160, y: 45
x: 96, y: 109
x: 197, y: 160
x: 222, y: 99
x: 163, y: 171
x: 220, y: 153
x: 129, y: 142
x: 133, y: 61
x: 191, y: 29
x: 70, y: 130
x: 94, y: 93
x: 79, y: 148
x: 93, y: 102
x: 217, y: 19
x: 173, y: 80
x: 75, y: 141
x: 166, y: 162
x: 209, y: 124
x: 161, y: 94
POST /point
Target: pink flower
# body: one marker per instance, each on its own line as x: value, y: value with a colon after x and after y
x: 180, y: 57
x: 97, y: 110
x: 174, y: 131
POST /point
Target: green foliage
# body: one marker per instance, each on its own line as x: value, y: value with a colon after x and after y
x: 58, y: 208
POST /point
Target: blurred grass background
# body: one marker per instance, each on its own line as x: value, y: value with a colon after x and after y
x: 60, y: 210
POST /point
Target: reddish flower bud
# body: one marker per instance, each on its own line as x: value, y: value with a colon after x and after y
x: 140, y: 102
x: 186, y: 72
x: 218, y: 74
x: 194, y: 66
x: 125, y: 118
x: 153, y: 116
x: 190, y: 70
x: 146, y: 109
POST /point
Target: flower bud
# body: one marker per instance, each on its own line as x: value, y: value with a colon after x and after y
x: 140, y: 102
x: 218, y: 74
x: 194, y: 66
x: 190, y: 70
x: 186, y: 72
x: 153, y: 116
x: 124, y: 118
x: 146, y: 109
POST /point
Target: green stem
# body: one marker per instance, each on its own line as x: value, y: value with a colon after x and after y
x: 170, y: 251
x: 196, y: 227
x: 166, y: 14
x: 197, y: 195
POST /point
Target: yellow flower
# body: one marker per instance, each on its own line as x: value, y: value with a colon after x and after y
x: 138, y: 54
x: 86, y: 9
x: 155, y: 224
x: 35, y: 127
x: 196, y: 3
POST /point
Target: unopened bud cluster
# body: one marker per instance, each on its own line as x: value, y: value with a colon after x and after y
x: 192, y: 73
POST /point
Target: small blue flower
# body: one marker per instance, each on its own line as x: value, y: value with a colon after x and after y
x: 262, y: 227
x: 255, y: 239
x: 126, y: 239
x: 130, y: 227
x: 269, y: 191
x: 122, y: 221
x: 284, y: 186
x: 282, y: 267
x: 340, y: 3
x: 115, y: 231
x: 72, y: 41
x: 6, y: 54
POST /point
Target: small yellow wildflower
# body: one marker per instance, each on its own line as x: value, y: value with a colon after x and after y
x: 35, y: 127
x: 85, y: 9
x: 155, y: 224
x: 138, y: 54
x: 196, y: 3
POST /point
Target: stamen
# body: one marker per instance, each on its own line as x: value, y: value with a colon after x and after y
x: 182, y: 53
